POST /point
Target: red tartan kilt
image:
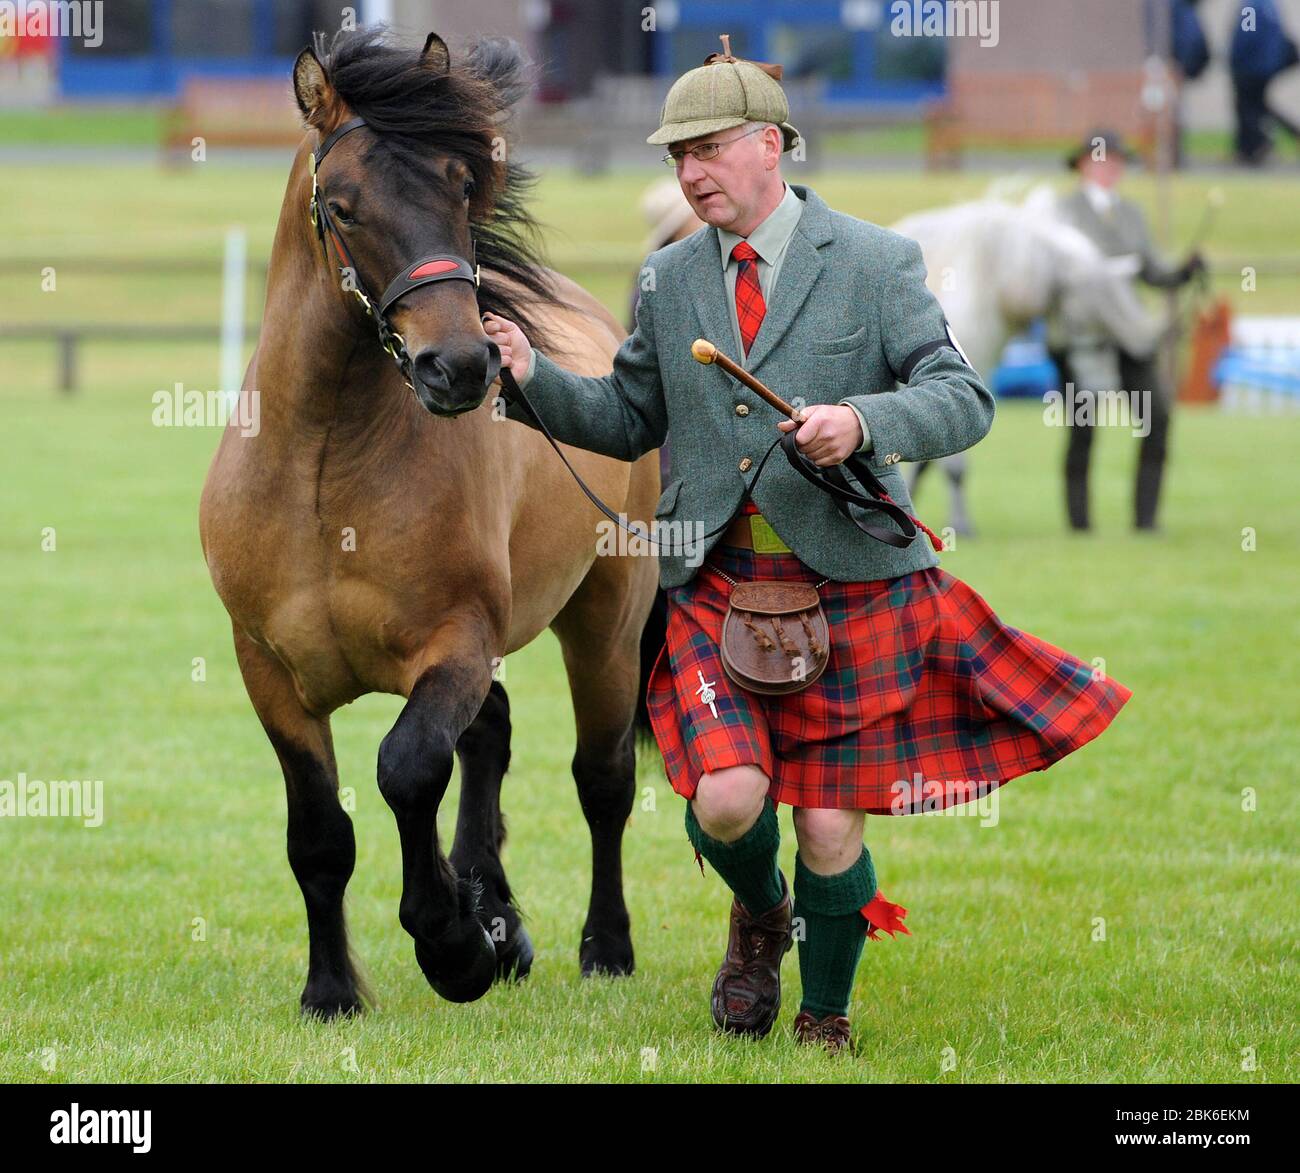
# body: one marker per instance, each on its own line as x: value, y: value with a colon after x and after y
x: 928, y: 699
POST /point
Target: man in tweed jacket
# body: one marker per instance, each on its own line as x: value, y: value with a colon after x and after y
x: 850, y: 330
x: 849, y: 315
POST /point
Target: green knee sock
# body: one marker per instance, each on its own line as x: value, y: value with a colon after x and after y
x: 833, y: 931
x: 748, y: 866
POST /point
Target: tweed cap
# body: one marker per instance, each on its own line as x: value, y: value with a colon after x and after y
x: 1111, y: 142
x: 725, y: 91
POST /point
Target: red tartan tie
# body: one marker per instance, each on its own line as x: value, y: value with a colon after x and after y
x: 750, y: 306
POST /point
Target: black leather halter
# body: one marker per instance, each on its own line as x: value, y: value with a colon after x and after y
x: 438, y: 267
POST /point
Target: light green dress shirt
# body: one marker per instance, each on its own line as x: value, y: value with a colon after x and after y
x: 769, y: 240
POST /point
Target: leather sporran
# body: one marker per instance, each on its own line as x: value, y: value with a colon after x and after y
x: 775, y: 637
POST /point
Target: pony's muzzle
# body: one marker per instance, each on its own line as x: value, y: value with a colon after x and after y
x: 452, y: 381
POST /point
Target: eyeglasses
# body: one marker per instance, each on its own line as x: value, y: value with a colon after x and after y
x: 706, y: 151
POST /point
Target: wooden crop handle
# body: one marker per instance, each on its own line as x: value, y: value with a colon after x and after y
x: 702, y: 350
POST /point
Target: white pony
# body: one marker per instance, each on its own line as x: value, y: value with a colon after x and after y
x: 996, y: 265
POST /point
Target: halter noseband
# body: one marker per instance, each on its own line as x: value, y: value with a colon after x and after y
x: 439, y: 267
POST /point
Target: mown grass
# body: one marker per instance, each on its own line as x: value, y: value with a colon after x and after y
x: 101, y: 977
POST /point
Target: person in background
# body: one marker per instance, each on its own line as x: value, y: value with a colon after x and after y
x: 1260, y: 51
x: 1118, y: 227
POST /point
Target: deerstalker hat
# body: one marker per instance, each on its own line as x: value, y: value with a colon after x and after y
x: 725, y: 91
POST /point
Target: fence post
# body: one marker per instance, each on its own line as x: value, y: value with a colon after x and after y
x: 67, y: 361
x: 232, y: 313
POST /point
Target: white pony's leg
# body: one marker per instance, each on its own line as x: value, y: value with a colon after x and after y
x: 954, y: 467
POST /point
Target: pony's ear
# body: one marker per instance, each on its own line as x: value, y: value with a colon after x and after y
x: 311, y: 85
x: 435, y: 55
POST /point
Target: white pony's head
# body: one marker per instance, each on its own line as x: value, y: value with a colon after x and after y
x: 996, y: 264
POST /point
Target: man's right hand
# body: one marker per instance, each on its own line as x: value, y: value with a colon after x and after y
x: 514, y: 346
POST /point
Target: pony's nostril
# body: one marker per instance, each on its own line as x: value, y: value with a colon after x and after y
x: 492, y: 367
x: 430, y: 371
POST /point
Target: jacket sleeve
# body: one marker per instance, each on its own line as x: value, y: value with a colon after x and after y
x: 1156, y: 271
x: 621, y: 414
x: 941, y: 405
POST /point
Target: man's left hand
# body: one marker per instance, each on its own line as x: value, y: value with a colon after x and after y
x: 828, y: 433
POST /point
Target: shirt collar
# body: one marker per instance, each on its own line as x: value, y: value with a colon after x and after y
x: 772, y: 235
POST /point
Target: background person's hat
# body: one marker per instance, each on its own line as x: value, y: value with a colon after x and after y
x: 725, y: 91
x: 665, y: 209
x: 1114, y: 142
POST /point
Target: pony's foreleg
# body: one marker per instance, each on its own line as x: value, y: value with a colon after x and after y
x: 438, y: 908
x: 322, y: 849
x: 484, y: 752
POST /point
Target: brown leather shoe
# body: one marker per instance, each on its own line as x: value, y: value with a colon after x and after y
x: 832, y: 1032
x: 747, y: 991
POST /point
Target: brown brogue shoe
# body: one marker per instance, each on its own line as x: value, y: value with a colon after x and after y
x: 832, y: 1032
x: 747, y: 991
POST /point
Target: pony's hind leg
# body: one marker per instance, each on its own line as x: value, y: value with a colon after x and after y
x: 439, y: 908
x: 322, y: 848
x: 599, y: 632
x: 484, y: 752
x: 955, y: 468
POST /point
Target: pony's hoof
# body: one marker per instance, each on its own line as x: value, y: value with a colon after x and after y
x: 325, y: 1007
x: 460, y: 970
x: 515, y: 960
x: 607, y: 955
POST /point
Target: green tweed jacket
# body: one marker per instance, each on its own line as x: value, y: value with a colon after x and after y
x: 850, y: 321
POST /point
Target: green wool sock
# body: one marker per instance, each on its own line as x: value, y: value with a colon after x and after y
x: 833, y: 932
x: 748, y: 866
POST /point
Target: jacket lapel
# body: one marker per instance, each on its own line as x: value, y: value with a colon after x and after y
x: 710, y: 296
x: 799, y: 272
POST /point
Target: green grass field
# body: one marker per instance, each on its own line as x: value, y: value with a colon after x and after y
x: 102, y: 979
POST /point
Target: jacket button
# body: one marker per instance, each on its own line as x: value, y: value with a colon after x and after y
x: 744, y: 464
x: 742, y: 409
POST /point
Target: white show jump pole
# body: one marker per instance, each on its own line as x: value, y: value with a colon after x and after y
x: 232, y: 314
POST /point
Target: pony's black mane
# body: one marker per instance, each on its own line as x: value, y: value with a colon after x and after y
x: 418, y: 111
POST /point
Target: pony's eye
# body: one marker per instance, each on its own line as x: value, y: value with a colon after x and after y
x: 340, y: 215
x: 469, y: 188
